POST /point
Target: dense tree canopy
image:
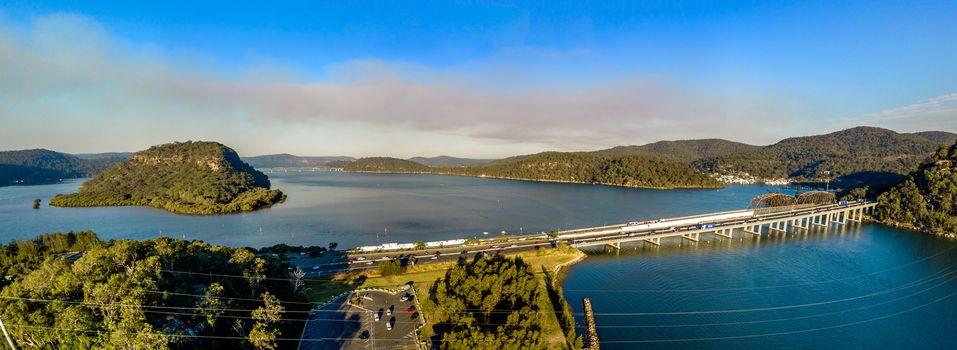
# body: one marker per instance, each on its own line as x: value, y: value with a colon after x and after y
x: 846, y: 152
x: 927, y: 199
x: 490, y: 304
x: 141, y: 295
x: 187, y: 177
x: 630, y: 171
x: 682, y: 151
x: 387, y: 165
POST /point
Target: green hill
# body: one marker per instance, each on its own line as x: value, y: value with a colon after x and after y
x: 443, y: 161
x: 846, y: 152
x: 927, y: 199
x: 41, y: 166
x: 386, y: 165
x: 186, y: 178
x: 940, y: 137
x: 684, y: 151
x: 630, y: 171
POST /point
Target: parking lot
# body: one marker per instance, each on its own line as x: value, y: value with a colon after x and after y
x: 340, y: 325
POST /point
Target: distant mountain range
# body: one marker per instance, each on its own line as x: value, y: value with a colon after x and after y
x: 862, y: 154
x: 40, y: 166
x: 106, y: 155
x: 286, y: 160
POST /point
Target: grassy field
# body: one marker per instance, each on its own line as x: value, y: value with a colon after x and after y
x: 423, y: 276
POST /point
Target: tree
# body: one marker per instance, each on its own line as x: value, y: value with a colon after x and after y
x: 253, y: 268
x: 296, y: 279
x: 492, y: 303
x: 333, y: 245
x: 212, y: 306
x: 391, y: 268
x: 419, y: 245
x: 263, y: 335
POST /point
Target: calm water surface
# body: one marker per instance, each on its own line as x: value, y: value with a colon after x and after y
x: 866, y: 286
x: 863, y: 287
x: 360, y: 209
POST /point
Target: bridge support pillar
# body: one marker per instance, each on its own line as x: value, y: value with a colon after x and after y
x: 723, y: 234
x: 777, y: 226
x: 655, y: 241
x: 616, y: 245
x: 817, y: 220
x: 856, y: 215
x: 691, y: 236
x: 756, y: 229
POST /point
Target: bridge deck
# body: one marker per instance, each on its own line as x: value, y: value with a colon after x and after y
x: 775, y: 220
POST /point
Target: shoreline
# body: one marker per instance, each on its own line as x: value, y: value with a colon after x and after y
x: 912, y: 227
x: 539, y: 180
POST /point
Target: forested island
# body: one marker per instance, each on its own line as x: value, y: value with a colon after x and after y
x: 570, y: 167
x: 927, y: 199
x: 184, y: 177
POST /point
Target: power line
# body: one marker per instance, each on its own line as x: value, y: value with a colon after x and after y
x: 783, y: 307
x: 918, y: 282
x: 781, y: 333
x: 782, y: 319
x: 760, y: 287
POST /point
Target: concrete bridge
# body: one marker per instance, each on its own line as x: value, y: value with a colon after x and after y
x: 723, y: 224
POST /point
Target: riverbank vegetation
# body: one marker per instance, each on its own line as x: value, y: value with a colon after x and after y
x: 186, y: 178
x: 156, y: 294
x: 571, y: 167
x: 927, y: 199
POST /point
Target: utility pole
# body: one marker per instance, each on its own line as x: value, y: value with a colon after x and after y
x: 7, y: 335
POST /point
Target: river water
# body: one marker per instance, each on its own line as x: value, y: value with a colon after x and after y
x: 860, y: 286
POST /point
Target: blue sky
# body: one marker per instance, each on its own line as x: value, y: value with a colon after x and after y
x: 470, y: 78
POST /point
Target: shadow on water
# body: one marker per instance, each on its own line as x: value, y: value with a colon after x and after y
x: 740, y: 240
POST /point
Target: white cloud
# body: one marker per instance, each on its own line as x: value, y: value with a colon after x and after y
x: 938, y: 113
x: 64, y: 82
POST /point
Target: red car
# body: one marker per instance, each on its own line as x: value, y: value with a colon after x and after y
x: 410, y: 310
